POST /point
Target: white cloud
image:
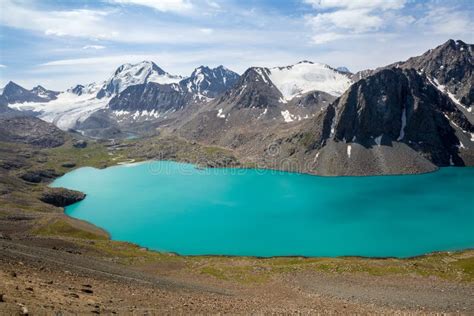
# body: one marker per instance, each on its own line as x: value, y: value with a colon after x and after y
x: 96, y: 47
x: 2, y: 66
x: 356, y: 20
x: 76, y: 23
x: 207, y: 31
x: 323, y: 38
x: 110, y: 25
x: 447, y: 21
x: 358, y: 4
x: 178, y: 6
x: 341, y: 19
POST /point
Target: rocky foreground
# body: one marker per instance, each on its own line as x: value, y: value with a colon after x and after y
x: 42, y: 276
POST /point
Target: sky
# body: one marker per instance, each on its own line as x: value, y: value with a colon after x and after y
x: 59, y: 44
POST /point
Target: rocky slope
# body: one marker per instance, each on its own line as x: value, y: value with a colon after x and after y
x: 394, y: 121
x: 30, y: 130
x: 450, y: 66
x: 264, y: 101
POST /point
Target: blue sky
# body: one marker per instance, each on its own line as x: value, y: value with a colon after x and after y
x: 61, y: 43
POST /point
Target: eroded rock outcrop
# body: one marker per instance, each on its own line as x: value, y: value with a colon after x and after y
x: 61, y: 197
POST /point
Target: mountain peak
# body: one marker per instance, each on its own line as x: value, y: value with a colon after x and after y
x: 145, y: 65
x: 206, y: 82
x: 305, y: 62
x: 12, y: 84
x: 15, y: 93
x: 200, y: 69
x: 134, y: 74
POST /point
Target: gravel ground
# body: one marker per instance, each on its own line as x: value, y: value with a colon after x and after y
x: 41, y: 280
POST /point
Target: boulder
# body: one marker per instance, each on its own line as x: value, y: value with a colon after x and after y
x: 61, y: 197
x: 80, y: 144
x: 37, y: 176
x: 68, y: 165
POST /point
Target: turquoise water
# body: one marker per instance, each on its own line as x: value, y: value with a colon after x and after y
x: 175, y: 207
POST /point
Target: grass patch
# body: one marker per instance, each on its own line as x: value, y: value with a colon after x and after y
x: 64, y: 229
x: 467, y: 266
x: 131, y: 254
x: 94, y: 155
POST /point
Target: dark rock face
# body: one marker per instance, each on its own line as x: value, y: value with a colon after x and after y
x: 30, y: 130
x: 37, y: 176
x: 78, y: 89
x: 395, y: 105
x: 150, y: 96
x: 253, y: 90
x: 14, y: 93
x: 61, y: 197
x: 451, y: 64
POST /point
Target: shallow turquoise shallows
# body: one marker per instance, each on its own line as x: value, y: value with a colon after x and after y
x: 175, y: 207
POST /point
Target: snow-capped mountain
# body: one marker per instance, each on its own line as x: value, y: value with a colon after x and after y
x: 134, y: 74
x: 289, y: 91
x: 306, y: 76
x: 44, y: 93
x: 268, y: 87
x: 142, y: 87
x: 203, y: 85
x: 207, y: 83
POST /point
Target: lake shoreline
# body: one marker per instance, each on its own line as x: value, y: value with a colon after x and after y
x: 264, y: 256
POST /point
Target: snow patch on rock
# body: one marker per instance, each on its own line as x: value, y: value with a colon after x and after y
x: 287, y: 116
x: 445, y: 90
x: 219, y: 114
x: 404, y: 124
